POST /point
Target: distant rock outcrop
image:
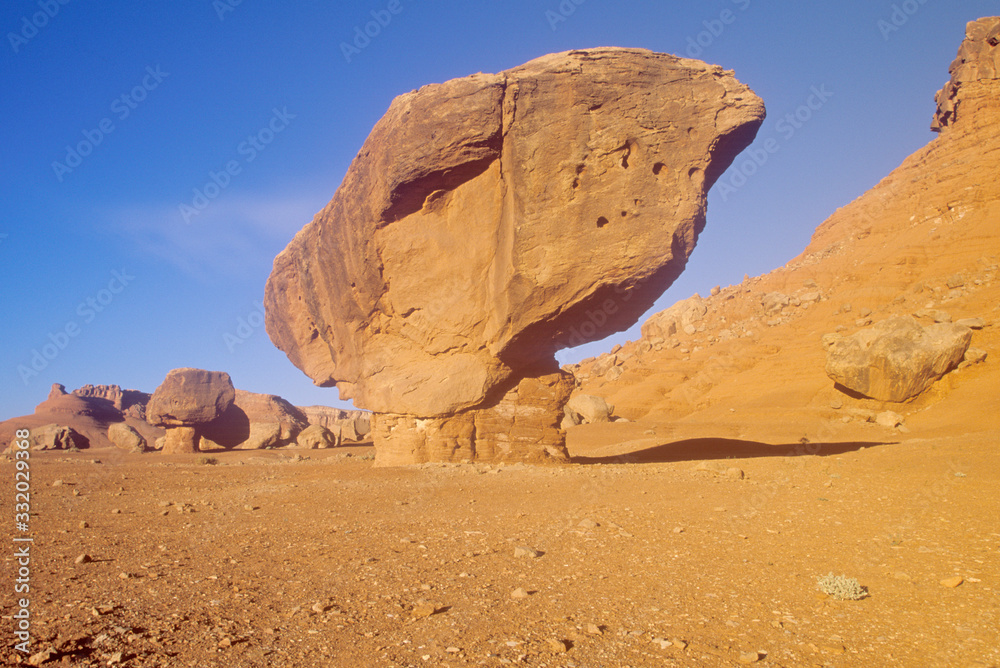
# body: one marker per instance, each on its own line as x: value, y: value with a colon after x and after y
x: 354, y: 426
x: 896, y: 359
x: 56, y: 437
x: 186, y: 400
x: 490, y: 221
x: 974, y: 75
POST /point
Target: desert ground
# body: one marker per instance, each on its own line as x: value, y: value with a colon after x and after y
x: 669, y: 548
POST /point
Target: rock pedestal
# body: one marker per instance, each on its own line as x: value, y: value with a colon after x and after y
x: 490, y: 221
x: 522, y: 426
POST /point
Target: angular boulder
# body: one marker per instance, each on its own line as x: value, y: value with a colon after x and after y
x: 572, y: 189
x: 590, y: 409
x: 125, y: 437
x: 56, y: 437
x: 895, y: 359
x: 255, y: 422
x: 669, y: 322
x: 318, y: 437
x: 189, y: 398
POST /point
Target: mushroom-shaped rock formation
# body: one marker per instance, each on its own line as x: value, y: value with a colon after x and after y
x: 490, y: 221
x: 186, y: 400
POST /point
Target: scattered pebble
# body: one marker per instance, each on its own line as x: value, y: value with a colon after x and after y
x: 83, y: 559
x: 528, y: 552
x: 749, y: 657
x: 953, y: 582
x: 519, y: 593
x: 558, y: 646
x: 423, y: 610
x: 594, y: 630
x: 588, y: 524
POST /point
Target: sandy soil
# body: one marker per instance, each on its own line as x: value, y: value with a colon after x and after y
x: 654, y: 549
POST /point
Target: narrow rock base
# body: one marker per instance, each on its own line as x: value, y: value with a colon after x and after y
x: 181, y: 441
x: 523, y: 426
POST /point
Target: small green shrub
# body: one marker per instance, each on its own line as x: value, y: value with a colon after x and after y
x: 842, y: 587
x: 208, y: 461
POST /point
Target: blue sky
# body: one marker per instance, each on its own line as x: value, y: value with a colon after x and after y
x: 157, y: 156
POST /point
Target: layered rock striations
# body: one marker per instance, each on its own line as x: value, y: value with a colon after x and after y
x: 975, y: 73
x: 488, y: 222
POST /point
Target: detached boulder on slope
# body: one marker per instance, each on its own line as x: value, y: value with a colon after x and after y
x: 896, y: 359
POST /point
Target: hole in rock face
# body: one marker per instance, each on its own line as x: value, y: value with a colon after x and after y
x: 624, y: 213
x: 602, y: 221
x: 658, y: 167
x: 694, y: 171
x: 625, y: 160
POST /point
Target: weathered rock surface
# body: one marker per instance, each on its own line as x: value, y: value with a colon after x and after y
x: 255, y: 422
x: 589, y: 408
x: 122, y: 400
x: 353, y: 425
x: 974, y: 72
x: 524, y: 426
x: 896, y: 359
x: 56, y: 437
x: 667, y: 323
x: 186, y: 399
x: 573, y: 190
x: 126, y: 438
x: 318, y: 437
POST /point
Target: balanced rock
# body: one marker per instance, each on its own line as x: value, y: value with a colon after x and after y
x: 189, y: 398
x: 490, y: 221
x: 895, y: 359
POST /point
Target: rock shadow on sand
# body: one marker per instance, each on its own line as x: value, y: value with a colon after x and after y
x: 697, y: 449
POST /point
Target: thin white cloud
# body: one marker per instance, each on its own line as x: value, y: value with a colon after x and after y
x: 237, y: 235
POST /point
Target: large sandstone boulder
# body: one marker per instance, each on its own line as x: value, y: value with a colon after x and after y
x: 189, y: 398
x: 255, y: 422
x: 125, y: 437
x: 974, y: 73
x: 56, y: 437
x: 896, y: 359
x: 318, y: 437
x: 589, y: 408
x: 490, y: 221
